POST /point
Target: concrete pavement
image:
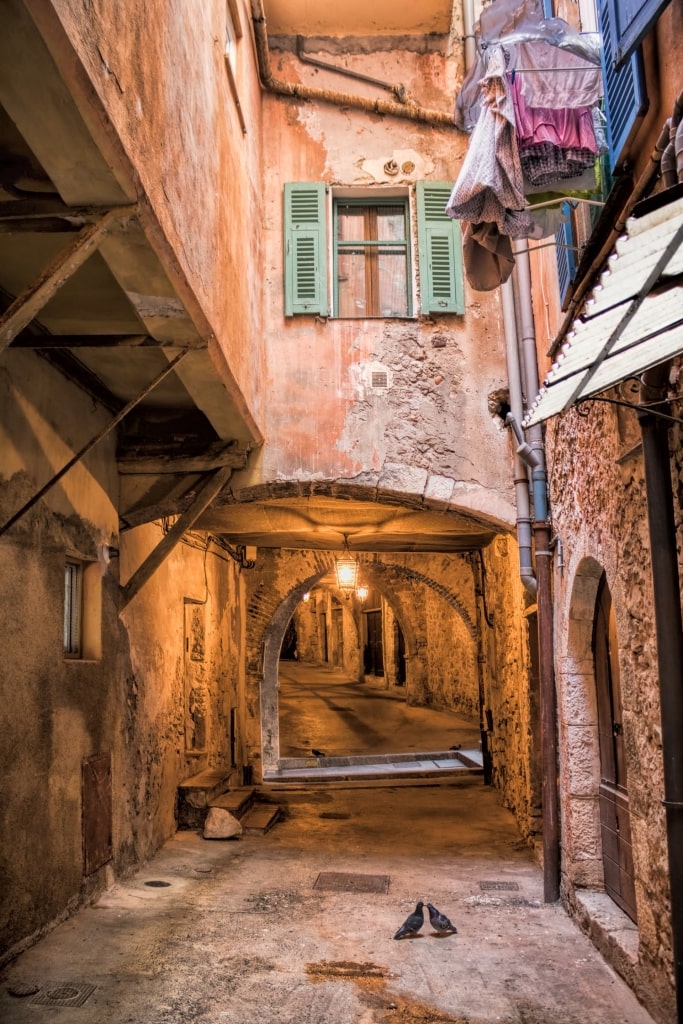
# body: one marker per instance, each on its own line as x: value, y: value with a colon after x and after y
x: 296, y: 927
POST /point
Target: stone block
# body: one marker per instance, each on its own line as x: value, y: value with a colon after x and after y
x: 221, y: 824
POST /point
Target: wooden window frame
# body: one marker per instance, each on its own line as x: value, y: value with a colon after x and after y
x: 372, y: 245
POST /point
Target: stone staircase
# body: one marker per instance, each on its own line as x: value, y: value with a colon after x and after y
x: 196, y: 795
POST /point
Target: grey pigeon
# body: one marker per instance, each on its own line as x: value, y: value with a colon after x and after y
x: 318, y: 753
x: 440, y: 922
x: 412, y: 923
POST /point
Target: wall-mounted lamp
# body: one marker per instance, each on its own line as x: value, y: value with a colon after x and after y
x: 346, y: 569
x: 362, y: 592
x: 306, y: 596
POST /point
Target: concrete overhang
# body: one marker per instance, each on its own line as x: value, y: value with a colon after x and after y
x: 358, y: 17
x: 111, y: 320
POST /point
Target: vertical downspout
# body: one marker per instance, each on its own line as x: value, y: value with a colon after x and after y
x: 669, y: 632
x: 541, y: 528
x: 526, y: 568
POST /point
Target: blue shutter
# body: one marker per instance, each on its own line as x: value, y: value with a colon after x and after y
x: 631, y: 21
x: 625, y: 100
x: 305, y: 249
x: 440, y: 247
x: 566, y: 258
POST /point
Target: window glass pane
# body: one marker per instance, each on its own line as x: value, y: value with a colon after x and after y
x: 372, y: 278
x: 391, y: 223
x: 351, y: 296
x: 393, y: 300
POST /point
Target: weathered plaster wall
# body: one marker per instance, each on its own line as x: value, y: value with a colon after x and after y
x: 129, y: 702
x: 429, y: 432
x: 160, y: 78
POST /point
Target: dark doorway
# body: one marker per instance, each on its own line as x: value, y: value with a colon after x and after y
x: 374, y: 653
x: 400, y: 648
x: 615, y: 817
x: 338, y: 634
x: 288, y: 652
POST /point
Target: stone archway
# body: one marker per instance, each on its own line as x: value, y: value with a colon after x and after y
x: 276, y: 586
x: 579, y: 737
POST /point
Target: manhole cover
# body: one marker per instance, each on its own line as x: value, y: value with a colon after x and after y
x: 23, y: 988
x: 340, y: 881
x: 157, y: 884
x: 72, y: 993
x: 499, y: 886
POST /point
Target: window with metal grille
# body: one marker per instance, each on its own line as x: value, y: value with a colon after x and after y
x: 73, y: 609
x: 82, y: 632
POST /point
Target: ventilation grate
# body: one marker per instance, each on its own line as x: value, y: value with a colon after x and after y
x: 379, y: 379
x: 340, y: 881
x: 499, y: 887
x: 71, y: 993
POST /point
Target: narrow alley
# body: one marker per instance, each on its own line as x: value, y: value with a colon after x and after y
x: 298, y: 925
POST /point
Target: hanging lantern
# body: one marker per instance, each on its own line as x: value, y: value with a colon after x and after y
x: 347, y: 570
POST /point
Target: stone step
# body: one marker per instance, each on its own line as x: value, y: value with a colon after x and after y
x: 237, y: 801
x: 196, y: 793
x: 260, y: 818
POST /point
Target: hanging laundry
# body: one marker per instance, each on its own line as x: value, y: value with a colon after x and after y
x: 489, y: 191
x: 554, y: 77
x: 554, y: 143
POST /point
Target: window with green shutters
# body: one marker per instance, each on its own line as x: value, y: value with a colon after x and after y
x: 440, y: 250
x: 371, y: 253
x: 305, y: 249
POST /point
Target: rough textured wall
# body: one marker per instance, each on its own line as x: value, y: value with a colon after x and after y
x: 510, y: 687
x: 429, y: 432
x: 131, y: 703
x: 602, y: 516
x: 159, y: 71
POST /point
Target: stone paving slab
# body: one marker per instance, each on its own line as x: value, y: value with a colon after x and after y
x: 214, y: 932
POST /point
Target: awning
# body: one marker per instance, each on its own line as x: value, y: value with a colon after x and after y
x: 632, y: 320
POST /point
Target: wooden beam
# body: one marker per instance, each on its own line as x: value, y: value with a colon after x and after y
x: 205, y: 495
x: 39, y: 209
x: 175, y: 459
x: 56, y: 341
x: 27, y: 305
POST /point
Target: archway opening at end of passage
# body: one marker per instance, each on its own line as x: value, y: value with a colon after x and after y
x: 354, y: 682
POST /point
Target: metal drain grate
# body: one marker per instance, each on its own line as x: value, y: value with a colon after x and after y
x: 340, y: 881
x: 70, y: 993
x: 499, y: 886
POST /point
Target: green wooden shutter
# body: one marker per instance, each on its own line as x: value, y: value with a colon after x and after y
x: 440, y: 248
x: 305, y: 249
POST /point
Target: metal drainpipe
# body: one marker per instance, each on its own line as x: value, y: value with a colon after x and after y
x: 526, y: 567
x: 543, y: 551
x: 408, y: 110
x: 669, y: 631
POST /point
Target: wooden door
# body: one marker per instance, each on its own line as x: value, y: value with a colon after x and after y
x: 615, y: 818
x: 374, y: 651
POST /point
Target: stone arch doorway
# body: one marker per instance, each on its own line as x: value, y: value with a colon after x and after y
x: 615, y: 814
x: 594, y: 774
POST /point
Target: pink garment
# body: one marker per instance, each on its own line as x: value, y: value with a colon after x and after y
x: 489, y: 188
x: 566, y: 128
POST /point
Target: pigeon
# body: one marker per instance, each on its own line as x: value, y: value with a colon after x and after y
x: 412, y: 923
x: 440, y: 922
x: 456, y: 746
x: 318, y: 753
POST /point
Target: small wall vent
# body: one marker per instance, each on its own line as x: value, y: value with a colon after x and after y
x: 379, y: 379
